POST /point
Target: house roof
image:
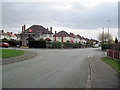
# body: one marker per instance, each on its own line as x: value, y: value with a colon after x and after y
x: 62, y: 33
x: 81, y: 37
x: 17, y: 35
x: 10, y: 34
x: 74, y: 36
x: 38, y: 29
x: 48, y: 39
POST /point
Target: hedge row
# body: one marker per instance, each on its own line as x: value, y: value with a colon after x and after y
x: 111, y: 46
x: 65, y: 45
x: 71, y: 45
x: 37, y: 44
x: 44, y: 44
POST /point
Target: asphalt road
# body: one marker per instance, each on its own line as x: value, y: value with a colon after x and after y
x: 66, y: 68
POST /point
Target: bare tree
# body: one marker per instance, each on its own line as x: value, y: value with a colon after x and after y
x: 103, y: 37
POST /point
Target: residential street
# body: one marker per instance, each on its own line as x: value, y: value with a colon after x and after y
x: 61, y: 68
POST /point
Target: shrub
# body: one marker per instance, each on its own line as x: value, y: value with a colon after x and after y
x: 48, y: 44
x: 71, y: 45
x: 56, y: 44
x: 37, y: 44
x: 41, y: 39
x: 67, y: 45
x: 75, y: 45
x: 4, y: 39
x: 107, y: 46
x: 116, y: 47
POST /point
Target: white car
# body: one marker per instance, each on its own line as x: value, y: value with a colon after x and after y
x: 95, y: 46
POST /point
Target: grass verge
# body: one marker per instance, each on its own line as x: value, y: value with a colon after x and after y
x: 6, y: 53
x: 113, y: 63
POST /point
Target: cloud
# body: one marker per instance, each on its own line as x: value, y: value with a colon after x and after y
x: 73, y: 15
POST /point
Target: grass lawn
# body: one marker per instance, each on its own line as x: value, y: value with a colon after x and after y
x: 113, y: 63
x: 6, y: 53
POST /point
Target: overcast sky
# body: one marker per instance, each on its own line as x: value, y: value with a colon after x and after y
x: 84, y: 17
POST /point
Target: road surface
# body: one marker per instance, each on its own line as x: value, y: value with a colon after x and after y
x: 52, y: 68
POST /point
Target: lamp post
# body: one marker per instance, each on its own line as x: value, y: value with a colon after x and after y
x: 108, y: 31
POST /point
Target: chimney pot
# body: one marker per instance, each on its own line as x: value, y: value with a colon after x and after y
x: 24, y: 27
x: 2, y: 31
x: 50, y: 29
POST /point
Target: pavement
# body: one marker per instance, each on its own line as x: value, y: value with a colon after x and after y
x: 103, y: 76
x: 61, y: 68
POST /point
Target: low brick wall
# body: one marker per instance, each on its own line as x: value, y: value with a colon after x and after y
x: 113, y: 54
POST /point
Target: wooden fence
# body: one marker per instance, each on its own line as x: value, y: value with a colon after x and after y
x: 113, y: 54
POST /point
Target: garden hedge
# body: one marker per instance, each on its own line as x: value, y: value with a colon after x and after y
x: 37, y: 44
x: 56, y: 44
x: 107, y: 46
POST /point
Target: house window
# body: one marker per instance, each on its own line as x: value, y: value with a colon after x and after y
x: 44, y: 35
x: 33, y: 35
x: 59, y: 37
x: 50, y: 35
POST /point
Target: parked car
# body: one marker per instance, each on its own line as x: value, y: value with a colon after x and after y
x: 4, y: 44
x: 95, y: 46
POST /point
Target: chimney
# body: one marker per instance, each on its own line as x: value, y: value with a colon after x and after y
x: 11, y: 33
x: 2, y: 31
x: 24, y: 27
x: 47, y: 28
x: 71, y: 34
x: 55, y: 35
x: 50, y: 29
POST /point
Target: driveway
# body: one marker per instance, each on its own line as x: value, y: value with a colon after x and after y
x: 55, y: 68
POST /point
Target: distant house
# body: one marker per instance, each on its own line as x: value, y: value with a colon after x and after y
x: 35, y: 32
x: 17, y: 36
x: 66, y: 37
x: 83, y: 40
x: 4, y: 35
x: 76, y: 38
x: 12, y: 36
x: 8, y: 35
x: 93, y: 41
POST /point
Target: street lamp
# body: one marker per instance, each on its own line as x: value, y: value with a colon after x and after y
x: 108, y: 30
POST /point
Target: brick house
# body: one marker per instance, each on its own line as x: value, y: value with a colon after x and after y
x: 36, y: 32
x: 66, y: 37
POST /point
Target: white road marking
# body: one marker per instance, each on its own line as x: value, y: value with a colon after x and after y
x: 89, y: 55
x: 92, y: 55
